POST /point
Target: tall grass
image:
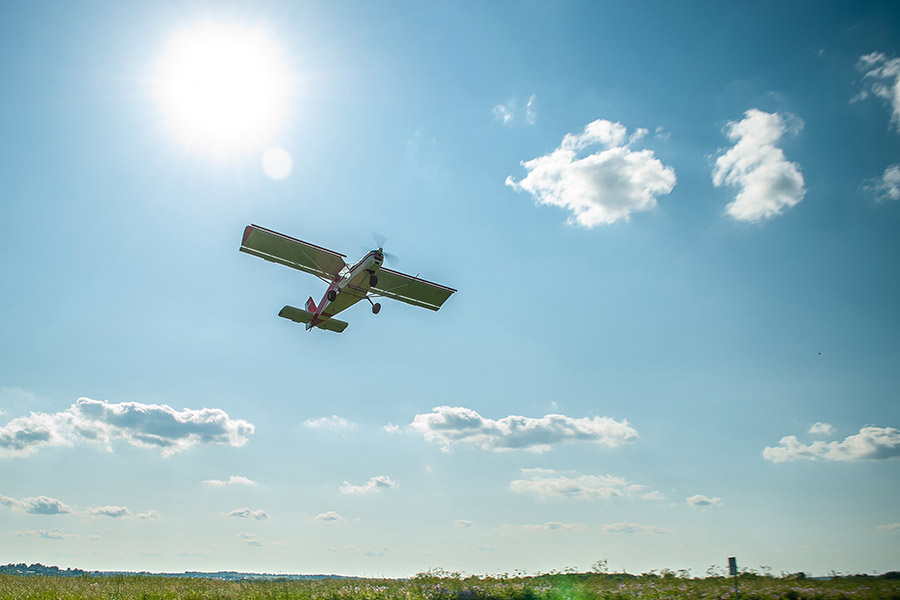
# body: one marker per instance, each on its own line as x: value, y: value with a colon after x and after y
x: 447, y: 586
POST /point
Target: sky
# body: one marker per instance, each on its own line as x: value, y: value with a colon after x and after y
x: 673, y: 228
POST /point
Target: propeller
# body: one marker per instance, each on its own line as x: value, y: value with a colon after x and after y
x: 380, y: 241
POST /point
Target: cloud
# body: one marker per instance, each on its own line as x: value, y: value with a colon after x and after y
x: 39, y: 505
x: 376, y: 484
x: 599, y: 188
x: 888, y: 527
x: 882, y: 76
x: 767, y: 182
x: 654, y: 495
x: 821, y: 429
x: 330, y: 516
x: 47, y: 534
x: 113, y: 512
x: 886, y: 187
x: 871, y: 443
x: 701, y: 501
x: 143, y: 425
x: 233, y: 480
x: 584, y: 487
x: 332, y: 423
x: 509, y: 113
x: 463, y: 524
x: 150, y: 515
x: 391, y: 428
x: 251, y: 539
x: 626, y: 527
x: 450, y: 425
x: 246, y: 513
x: 556, y: 526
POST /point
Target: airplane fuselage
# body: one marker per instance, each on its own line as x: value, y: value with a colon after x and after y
x: 349, y: 287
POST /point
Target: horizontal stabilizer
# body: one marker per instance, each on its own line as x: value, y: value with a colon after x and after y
x: 298, y: 315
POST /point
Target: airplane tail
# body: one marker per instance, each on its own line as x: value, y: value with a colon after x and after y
x: 311, y: 305
x: 298, y: 315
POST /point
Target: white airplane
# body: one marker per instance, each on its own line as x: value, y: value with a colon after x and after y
x: 347, y: 285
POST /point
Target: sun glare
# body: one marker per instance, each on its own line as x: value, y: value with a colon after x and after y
x: 224, y: 89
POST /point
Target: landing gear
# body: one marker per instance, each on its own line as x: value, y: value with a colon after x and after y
x: 376, y: 308
x: 373, y: 280
x: 332, y: 294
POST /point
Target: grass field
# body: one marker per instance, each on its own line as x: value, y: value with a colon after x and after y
x: 432, y: 587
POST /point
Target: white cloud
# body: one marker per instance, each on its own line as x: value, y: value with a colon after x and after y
x: 583, y: 487
x: 246, y: 513
x: 654, y: 495
x: 150, y: 515
x: 39, y: 505
x: 463, y: 524
x: 391, y: 428
x: 626, y: 527
x: 232, y: 480
x: 450, y: 425
x: 599, y: 188
x: 821, y: 429
x: 886, y: 187
x: 882, y: 74
x: 330, y: 516
x: 767, y: 182
x: 114, y: 512
x: 871, y: 443
x: 251, y: 539
x: 510, y: 113
x: 142, y: 425
x: 47, y: 534
x: 332, y: 423
x: 376, y: 484
x: 701, y: 501
x: 888, y: 527
x: 556, y: 526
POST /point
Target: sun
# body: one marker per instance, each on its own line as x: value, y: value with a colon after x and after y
x: 224, y: 89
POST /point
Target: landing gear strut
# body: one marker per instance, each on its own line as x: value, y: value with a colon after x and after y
x: 376, y: 306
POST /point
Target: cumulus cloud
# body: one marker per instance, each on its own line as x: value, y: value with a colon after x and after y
x: 246, y: 513
x: 882, y: 78
x: 886, y: 187
x: 463, y: 524
x: 821, y: 429
x: 888, y: 527
x: 150, y: 515
x: 376, y: 484
x: 583, y: 487
x: 155, y: 426
x: 599, y: 188
x: 701, y: 501
x: 767, y: 182
x: 626, y: 527
x: 556, y: 526
x: 39, y: 505
x: 113, y: 512
x: 450, y: 425
x: 513, y: 111
x: 233, y: 480
x: 46, y: 534
x: 871, y: 443
x: 330, y: 516
x: 332, y: 423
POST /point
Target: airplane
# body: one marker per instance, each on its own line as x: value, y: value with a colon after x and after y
x: 347, y: 285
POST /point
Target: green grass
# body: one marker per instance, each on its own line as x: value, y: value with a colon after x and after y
x: 433, y: 587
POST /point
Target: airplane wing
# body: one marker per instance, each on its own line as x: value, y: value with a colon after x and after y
x: 412, y: 290
x: 287, y: 251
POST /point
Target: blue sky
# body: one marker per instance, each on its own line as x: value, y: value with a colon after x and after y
x: 673, y: 228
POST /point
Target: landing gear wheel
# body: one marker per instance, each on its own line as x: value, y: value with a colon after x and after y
x: 332, y: 294
x: 376, y: 308
x: 373, y: 280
